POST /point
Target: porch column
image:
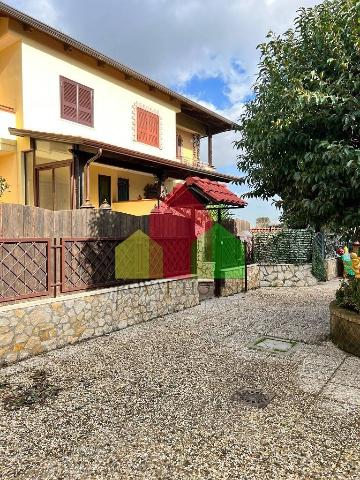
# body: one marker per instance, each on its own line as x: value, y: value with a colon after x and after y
x: 210, y: 159
x: 75, y: 184
x: 87, y: 203
x: 161, y: 176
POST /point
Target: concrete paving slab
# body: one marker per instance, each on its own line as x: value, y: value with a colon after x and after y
x: 342, y: 393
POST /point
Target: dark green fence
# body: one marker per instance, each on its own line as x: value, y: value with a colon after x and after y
x: 286, y: 246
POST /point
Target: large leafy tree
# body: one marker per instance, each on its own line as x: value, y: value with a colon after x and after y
x: 300, y: 135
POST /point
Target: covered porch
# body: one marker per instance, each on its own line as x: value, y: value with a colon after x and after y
x: 66, y: 172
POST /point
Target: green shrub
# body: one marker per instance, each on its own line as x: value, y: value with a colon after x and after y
x: 348, y: 295
x: 3, y: 186
x: 318, y: 268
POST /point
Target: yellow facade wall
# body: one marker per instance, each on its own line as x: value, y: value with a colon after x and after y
x: 135, y: 207
x: 137, y: 182
x: 10, y: 80
x: 11, y: 96
x: 187, y: 145
x: 9, y: 170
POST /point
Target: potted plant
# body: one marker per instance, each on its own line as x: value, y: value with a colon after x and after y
x: 151, y: 191
x: 345, y: 310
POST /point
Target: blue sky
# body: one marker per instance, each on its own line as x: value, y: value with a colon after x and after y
x: 207, y: 89
x: 203, y: 49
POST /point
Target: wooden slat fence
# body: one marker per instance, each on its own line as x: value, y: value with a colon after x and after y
x: 26, y: 221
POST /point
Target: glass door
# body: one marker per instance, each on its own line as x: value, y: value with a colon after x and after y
x: 45, y: 189
x: 62, y: 184
x: 53, y: 185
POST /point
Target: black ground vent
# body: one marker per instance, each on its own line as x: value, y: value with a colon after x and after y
x: 252, y: 398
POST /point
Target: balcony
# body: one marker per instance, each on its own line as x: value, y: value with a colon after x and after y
x: 7, y: 119
x: 187, y: 160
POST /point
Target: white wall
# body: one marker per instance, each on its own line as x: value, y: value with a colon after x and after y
x: 113, y: 102
x: 7, y: 119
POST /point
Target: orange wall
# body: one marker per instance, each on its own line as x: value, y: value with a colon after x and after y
x: 8, y: 170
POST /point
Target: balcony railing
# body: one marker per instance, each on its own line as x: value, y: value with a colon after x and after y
x: 194, y: 162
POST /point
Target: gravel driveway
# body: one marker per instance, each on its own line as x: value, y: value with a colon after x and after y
x: 161, y: 400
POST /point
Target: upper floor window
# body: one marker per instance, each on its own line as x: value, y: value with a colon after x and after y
x: 77, y: 102
x: 147, y: 127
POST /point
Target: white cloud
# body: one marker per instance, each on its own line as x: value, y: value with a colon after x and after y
x: 47, y: 11
x: 171, y: 40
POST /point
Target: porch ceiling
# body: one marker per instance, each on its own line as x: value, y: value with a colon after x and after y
x: 130, y: 159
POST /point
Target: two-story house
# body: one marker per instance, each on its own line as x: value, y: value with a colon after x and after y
x: 78, y: 128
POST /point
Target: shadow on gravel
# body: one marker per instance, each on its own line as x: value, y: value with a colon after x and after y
x: 15, y: 397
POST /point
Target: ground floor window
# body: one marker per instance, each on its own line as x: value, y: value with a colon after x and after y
x: 123, y: 189
x: 48, y: 170
x: 104, y: 189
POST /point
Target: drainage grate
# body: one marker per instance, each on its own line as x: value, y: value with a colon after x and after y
x: 273, y: 344
x: 253, y: 398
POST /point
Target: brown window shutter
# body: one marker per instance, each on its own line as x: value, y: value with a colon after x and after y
x: 68, y: 96
x: 154, y: 130
x: 86, y: 106
x: 147, y: 127
x: 141, y: 125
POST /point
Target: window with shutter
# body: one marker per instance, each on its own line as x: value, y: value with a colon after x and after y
x: 68, y: 99
x: 85, y: 112
x: 77, y: 102
x: 147, y: 127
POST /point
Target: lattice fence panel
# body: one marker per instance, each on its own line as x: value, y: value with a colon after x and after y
x: 24, y: 268
x: 88, y: 263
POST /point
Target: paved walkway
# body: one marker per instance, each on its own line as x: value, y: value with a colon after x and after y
x: 156, y: 401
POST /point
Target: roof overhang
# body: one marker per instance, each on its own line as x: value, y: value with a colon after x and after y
x: 216, y: 123
x: 198, y: 193
x: 130, y: 159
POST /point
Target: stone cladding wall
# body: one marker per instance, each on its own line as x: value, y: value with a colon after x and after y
x: 30, y: 328
x: 286, y: 275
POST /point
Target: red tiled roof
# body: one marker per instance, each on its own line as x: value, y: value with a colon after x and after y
x: 216, y: 192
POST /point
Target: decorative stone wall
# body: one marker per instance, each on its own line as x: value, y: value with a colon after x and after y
x: 253, y: 276
x: 331, y: 268
x: 345, y: 329
x: 231, y: 286
x: 286, y: 275
x: 205, y: 269
x: 31, y: 328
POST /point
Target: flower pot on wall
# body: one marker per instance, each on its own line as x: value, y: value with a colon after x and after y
x: 345, y: 329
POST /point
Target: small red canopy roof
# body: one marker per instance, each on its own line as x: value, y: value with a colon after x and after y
x: 213, y: 193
